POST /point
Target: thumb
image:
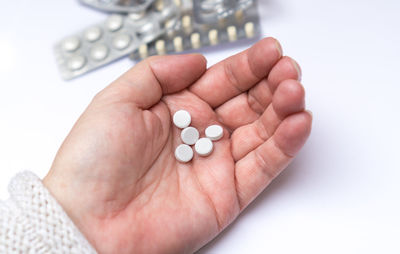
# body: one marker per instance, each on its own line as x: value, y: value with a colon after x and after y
x: 149, y: 80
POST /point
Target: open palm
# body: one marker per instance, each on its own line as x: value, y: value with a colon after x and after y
x: 116, y: 175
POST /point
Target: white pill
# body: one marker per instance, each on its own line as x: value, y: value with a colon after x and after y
x: 213, y: 36
x: 190, y: 135
x: 160, y: 47
x: 143, y: 51
x: 232, y: 33
x: 249, y: 29
x: 182, y: 119
x: 99, y: 52
x: 121, y: 41
x: 184, y: 153
x: 214, y: 132
x: 204, y: 146
x: 195, y: 40
x: 178, y: 44
x: 186, y: 21
x: 71, y: 44
x: 76, y: 63
x: 114, y: 22
x: 93, y: 34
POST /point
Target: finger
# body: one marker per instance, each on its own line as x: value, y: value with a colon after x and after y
x: 145, y: 83
x: 288, y: 99
x: 258, y: 168
x: 238, y: 73
x: 260, y: 96
x: 247, y: 107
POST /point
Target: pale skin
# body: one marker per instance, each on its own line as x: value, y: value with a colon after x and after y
x: 116, y: 175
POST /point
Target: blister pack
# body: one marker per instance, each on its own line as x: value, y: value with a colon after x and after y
x: 194, y: 34
x: 118, y: 36
x: 211, y: 11
x: 122, y: 6
x: 141, y: 28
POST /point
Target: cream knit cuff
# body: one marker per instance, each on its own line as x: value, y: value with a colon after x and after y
x: 32, y: 221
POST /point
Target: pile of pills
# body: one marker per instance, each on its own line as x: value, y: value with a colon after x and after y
x: 191, y: 136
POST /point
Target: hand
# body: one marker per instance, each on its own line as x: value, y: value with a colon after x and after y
x: 116, y: 175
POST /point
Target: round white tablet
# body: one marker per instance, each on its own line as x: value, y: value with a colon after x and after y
x: 121, y: 41
x: 204, y: 146
x: 214, y: 132
x: 190, y: 135
x: 160, y: 47
x: 76, y: 63
x: 183, y: 153
x: 99, y: 52
x: 182, y: 119
x: 71, y: 44
x: 178, y: 44
x: 93, y: 34
x: 114, y: 22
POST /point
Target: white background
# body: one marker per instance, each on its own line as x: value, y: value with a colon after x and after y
x: 341, y: 195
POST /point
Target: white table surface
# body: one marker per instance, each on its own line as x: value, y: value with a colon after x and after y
x: 342, y: 193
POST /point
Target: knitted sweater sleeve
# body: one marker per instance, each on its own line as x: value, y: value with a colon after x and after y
x: 31, y: 221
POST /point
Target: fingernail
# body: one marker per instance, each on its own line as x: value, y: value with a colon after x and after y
x: 298, y: 69
x: 279, y: 47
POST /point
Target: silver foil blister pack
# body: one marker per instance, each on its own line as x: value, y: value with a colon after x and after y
x: 122, y: 6
x: 141, y: 28
x: 118, y: 36
x: 211, y: 11
x: 193, y: 35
